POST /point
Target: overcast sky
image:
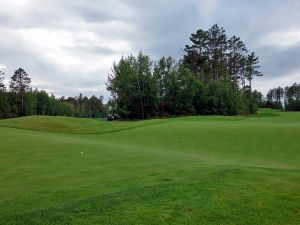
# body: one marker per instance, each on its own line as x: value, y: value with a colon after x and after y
x: 68, y: 46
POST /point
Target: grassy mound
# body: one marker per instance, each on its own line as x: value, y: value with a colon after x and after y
x: 189, y: 170
x: 68, y: 124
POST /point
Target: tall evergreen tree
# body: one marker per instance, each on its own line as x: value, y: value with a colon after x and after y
x: 19, y: 84
x: 217, y: 47
x: 2, y: 86
x: 4, y: 105
x: 252, y: 67
x: 196, y: 55
x: 236, y: 54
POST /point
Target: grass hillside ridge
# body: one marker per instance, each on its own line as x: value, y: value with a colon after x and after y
x: 185, y: 170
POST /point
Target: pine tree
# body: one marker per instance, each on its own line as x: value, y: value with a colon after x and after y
x: 252, y: 67
x: 2, y: 86
x: 19, y: 84
x: 4, y: 105
x: 196, y: 57
x: 236, y: 53
x: 217, y: 48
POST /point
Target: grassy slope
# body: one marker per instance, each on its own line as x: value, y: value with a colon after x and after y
x: 190, y: 170
x: 69, y: 125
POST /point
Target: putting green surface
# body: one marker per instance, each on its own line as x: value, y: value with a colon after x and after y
x: 188, y: 170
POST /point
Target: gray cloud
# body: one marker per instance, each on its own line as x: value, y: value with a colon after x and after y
x: 69, y: 46
x: 280, y: 62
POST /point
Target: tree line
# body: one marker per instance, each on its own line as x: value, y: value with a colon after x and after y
x: 213, y: 77
x: 288, y: 98
x: 21, y: 100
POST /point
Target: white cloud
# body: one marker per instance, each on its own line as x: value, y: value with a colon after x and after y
x: 281, y: 39
x: 14, y: 3
x: 2, y: 66
x: 263, y: 84
x: 207, y: 10
x: 56, y: 47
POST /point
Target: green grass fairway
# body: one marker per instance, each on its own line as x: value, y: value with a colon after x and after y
x: 189, y: 170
